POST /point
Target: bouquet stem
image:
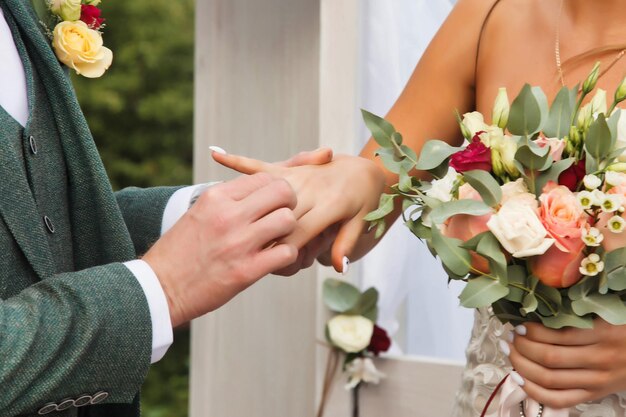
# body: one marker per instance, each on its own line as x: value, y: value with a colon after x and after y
x: 355, y: 401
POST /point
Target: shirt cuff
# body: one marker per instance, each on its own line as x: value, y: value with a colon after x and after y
x: 162, y: 333
x: 178, y: 204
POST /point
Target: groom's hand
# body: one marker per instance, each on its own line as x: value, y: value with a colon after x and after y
x: 224, y: 244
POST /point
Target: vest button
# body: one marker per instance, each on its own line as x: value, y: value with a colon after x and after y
x: 33, y: 144
x: 48, y: 223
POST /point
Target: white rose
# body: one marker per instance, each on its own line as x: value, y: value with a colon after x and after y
x: 518, y: 228
x: 442, y: 189
x: 475, y: 122
x: 350, y: 333
x: 362, y: 369
x: 514, y: 189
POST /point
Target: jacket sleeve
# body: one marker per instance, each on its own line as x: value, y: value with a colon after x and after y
x: 142, y: 209
x: 73, y: 336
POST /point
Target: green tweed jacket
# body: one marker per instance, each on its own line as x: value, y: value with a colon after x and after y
x: 75, y: 327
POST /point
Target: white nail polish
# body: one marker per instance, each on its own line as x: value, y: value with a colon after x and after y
x: 517, y: 378
x: 345, y: 265
x: 510, y: 336
x: 217, y: 149
x: 504, y: 347
x: 521, y: 330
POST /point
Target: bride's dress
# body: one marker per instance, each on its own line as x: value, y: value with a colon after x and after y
x: 487, y: 365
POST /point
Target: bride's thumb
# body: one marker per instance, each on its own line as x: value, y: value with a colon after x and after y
x: 343, y: 248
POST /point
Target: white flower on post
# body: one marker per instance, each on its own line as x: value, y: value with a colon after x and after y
x: 586, y: 199
x: 518, y: 228
x: 616, y: 224
x: 362, y: 370
x: 591, y: 265
x: 442, y: 189
x: 592, y: 236
x: 592, y: 182
x: 350, y: 333
x: 611, y: 203
x: 613, y: 178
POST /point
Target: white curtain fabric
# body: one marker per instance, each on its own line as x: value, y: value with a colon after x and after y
x: 416, y: 303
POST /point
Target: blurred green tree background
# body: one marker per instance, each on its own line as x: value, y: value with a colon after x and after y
x: 141, y: 116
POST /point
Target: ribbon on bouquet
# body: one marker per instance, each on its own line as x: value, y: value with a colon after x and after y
x: 515, y: 402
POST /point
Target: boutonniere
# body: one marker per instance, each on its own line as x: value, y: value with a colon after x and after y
x: 75, y: 30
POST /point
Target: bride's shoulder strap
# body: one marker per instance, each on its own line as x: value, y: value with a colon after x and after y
x: 482, y: 30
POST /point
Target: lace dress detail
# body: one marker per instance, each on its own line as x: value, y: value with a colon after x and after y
x: 487, y: 365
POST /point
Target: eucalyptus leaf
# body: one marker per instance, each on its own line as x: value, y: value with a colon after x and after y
x: 397, y: 138
x: 340, y: 296
x: 529, y: 304
x: 366, y: 305
x: 405, y: 183
x: 452, y: 255
x: 567, y: 320
x: 418, y: 229
x: 448, y: 209
x: 598, y: 142
x: 481, y: 292
x: 381, y: 228
x: 552, y: 174
x: 516, y: 274
x: 530, y: 159
x: 560, y: 116
x: 549, y: 298
x: 385, y: 206
x: 610, y: 307
x: 489, y: 248
x: 612, y: 122
x: 472, y: 243
x: 591, y: 164
x: 580, y: 289
x: 390, y: 159
x: 485, y: 185
x: 507, y: 312
x: 615, y: 269
x: 525, y: 115
x: 382, y: 130
x: 434, y: 153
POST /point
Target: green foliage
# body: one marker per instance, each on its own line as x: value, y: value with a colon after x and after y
x: 344, y: 298
x: 141, y: 116
x: 141, y: 111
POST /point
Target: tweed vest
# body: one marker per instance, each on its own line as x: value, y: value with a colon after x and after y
x: 42, y: 162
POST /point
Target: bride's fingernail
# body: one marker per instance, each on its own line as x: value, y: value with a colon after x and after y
x: 217, y: 149
x: 504, y: 347
x: 521, y: 330
x: 345, y: 267
x: 510, y: 337
x: 517, y: 378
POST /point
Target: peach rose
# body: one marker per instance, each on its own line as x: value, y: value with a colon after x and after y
x: 562, y: 216
x: 559, y: 269
x: 464, y: 227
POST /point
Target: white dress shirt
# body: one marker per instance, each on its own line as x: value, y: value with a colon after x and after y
x: 14, y: 100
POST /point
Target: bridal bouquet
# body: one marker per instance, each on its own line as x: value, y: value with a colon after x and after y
x: 529, y: 212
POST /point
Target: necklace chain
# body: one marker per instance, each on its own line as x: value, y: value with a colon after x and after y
x: 557, y: 50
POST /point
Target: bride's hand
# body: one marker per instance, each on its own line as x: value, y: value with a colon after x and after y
x: 562, y: 368
x: 340, y: 192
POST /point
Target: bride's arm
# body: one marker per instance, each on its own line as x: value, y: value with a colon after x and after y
x: 345, y: 190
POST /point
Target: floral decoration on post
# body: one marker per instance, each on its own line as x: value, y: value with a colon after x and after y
x: 353, y: 332
x: 530, y: 211
x: 75, y: 30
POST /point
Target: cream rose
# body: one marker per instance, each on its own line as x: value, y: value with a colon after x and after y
x: 350, y: 333
x: 474, y: 122
x: 81, y: 48
x: 518, y: 228
x: 66, y: 9
x: 442, y: 189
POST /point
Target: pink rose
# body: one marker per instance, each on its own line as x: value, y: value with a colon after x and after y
x: 559, y: 269
x: 562, y: 216
x: 475, y: 156
x: 557, y: 146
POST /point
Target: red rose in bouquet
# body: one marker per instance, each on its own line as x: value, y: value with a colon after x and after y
x: 475, y: 156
